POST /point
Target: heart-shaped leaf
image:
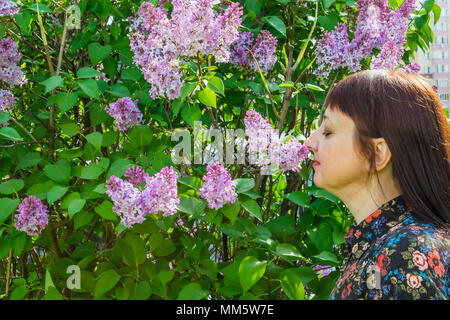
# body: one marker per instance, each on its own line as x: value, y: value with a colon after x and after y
x: 97, y: 52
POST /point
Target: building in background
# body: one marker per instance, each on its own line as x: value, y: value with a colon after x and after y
x: 435, y: 64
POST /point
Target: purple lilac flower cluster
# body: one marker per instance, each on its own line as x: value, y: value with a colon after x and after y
x: 378, y: 27
x: 132, y: 205
x: 159, y: 42
x: 263, y: 140
x: 218, y: 188
x: 136, y: 176
x: 160, y: 193
x: 9, y: 57
x: 263, y: 49
x: 8, y: 8
x: 292, y: 155
x: 7, y: 100
x: 32, y: 217
x: 125, y: 112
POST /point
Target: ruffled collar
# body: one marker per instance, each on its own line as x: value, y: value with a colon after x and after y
x: 360, y: 237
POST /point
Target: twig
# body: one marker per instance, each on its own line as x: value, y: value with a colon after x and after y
x: 16, y: 144
x: 8, y: 274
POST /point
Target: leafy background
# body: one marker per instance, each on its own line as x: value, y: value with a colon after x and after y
x: 63, y: 147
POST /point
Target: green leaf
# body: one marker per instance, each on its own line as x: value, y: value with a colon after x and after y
x: 207, y: 97
x: 421, y: 20
x: 231, y: 211
x: 87, y: 73
x: 23, y: 20
x: 192, y: 291
x: 31, y: 159
x: 10, y: 134
x: 56, y: 193
x: 216, y: 84
x: 191, y: 206
x: 141, y: 136
x: 120, y: 90
x: 327, y: 257
x: 106, y: 281
x: 165, y: 248
x: 90, y: 88
x: 292, y: 285
x: 298, y: 197
x: 75, y: 206
x: 436, y: 13
x: 118, y: 168
x: 58, y: 172
x: 244, y: 184
x: 428, y: 5
x: 328, y: 3
x: 52, y: 83
x: 91, y: 172
x: 131, y: 74
x: 95, y: 138
x: 82, y: 218
x: 18, y: 243
x: 277, y: 24
x: 251, y: 271
x: 142, y: 291
x: 110, y: 67
x: 252, y: 207
x: 19, y: 293
x: 70, y: 128
x: 282, y: 225
x: 329, y: 22
x: 289, y: 251
x: 4, y: 116
x: 136, y: 252
x: 97, y: 52
x: 39, y: 7
x: 105, y: 211
x: 8, y: 205
x: 12, y: 185
x: 254, y: 5
x: 322, y: 193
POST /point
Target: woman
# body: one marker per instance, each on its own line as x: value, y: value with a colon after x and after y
x: 383, y: 149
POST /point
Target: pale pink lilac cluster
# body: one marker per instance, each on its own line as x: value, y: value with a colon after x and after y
x: 263, y: 49
x: 160, y: 193
x: 378, y: 27
x: 218, y: 188
x: 9, y: 57
x: 32, y: 217
x: 132, y: 205
x: 126, y: 200
x: 292, y: 155
x: 126, y: 113
x: 136, y: 176
x: 264, y: 145
x: 160, y: 43
x: 7, y: 100
x: 8, y: 8
x: 263, y: 140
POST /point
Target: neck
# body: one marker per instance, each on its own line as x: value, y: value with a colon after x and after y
x: 362, y: 201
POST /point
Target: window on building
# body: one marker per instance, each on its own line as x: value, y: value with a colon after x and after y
x: 444, y: 96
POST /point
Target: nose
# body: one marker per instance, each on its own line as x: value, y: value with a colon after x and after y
x: 310, y: 142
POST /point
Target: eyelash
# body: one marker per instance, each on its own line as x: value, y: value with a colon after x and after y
x: 325, y: 133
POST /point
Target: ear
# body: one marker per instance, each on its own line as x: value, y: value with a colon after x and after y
x: 382, y: 153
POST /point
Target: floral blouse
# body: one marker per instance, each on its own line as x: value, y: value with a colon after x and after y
x: 394, y: 255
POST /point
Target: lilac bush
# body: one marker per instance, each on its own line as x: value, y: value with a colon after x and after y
x: 9, y: 57
x: 125, y: 112
x: 7, y: 100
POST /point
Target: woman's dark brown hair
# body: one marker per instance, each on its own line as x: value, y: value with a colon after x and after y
x: 404, y: 110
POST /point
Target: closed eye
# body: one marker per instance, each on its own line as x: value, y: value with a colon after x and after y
x: 326, y: 133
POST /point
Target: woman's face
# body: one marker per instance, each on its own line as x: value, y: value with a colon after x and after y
x: 340, y: 170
